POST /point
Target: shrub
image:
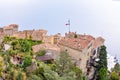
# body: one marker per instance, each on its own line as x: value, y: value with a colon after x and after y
x: 27, y: 61
x: 114, y: 76
x: 41, y: 53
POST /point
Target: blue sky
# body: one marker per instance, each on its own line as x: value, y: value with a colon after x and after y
x: 95, y: 17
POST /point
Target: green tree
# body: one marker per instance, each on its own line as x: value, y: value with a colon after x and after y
x: 6, y: 39
x: 13, y: 52
x: 1, y: 67
x: 46, y: 73
x: 40, y: 72
x: 25, y: 45
x: 114, y: 76
x: 14, y: 43
x: 19, y: 76
x: 102, y: 74
x: 78, y: 73
x: 12, y: 75
x: 75, y: 35
x: 50, y: 75
x: 34, y: 77
x: 103, y: 57
x: 64, y: 64
x: 66, y: 68
x: 117, y: 68
x: 27, y: 61
x: 102, y: 64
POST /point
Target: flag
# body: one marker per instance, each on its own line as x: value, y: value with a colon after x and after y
x: 68, y: 23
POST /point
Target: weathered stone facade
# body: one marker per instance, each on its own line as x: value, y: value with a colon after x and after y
x: 50, y: 48
x: 57, y: 38
x: 10, y: 29
x: 33, y: 34
x: 81, y: 48
x: 1, y: 30
x: 39, y: 34
x: 48, y: 39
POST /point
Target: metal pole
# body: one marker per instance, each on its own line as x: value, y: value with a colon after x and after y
x: 69, y: 25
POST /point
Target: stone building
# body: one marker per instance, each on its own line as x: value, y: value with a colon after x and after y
x: 39, y: 34
x: 57, y: 38
x: 81, y: 48
x: 20, y: 35
x: 48, y: 39
x: 1, y: 30
x: 10, y: 29
x: 33, y: 34
x: 54, y: 39
x: 53, y: 49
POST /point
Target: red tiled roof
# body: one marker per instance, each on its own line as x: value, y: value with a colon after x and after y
x: 36, y: 48
x: 81, y: 42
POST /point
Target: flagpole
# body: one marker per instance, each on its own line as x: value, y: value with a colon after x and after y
x: 69, y: 25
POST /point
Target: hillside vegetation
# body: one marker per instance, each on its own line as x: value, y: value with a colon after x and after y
x: 19, y: 63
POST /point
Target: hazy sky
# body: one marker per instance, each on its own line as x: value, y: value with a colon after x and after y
x: 95, y: 17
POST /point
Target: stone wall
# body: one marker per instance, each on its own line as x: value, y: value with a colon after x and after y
x: 98, y: 42
x: 34, y: 34
x: 38, y: 34
x: 48, y: 39
x: 1, y: 30
x: 80, y: 58
x: 10, y: 29
x: 57, y: 38
x: 20, y: 35
x: 50, y: 48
